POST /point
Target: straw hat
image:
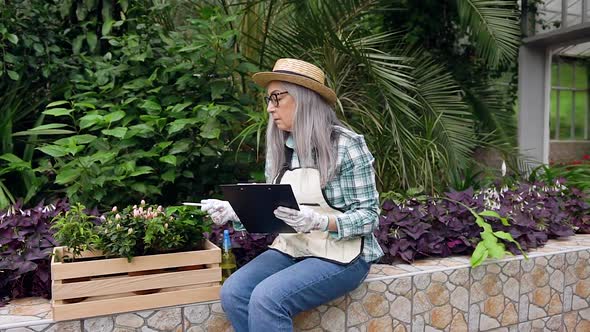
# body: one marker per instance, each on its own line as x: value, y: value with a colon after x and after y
x: 298, y: 72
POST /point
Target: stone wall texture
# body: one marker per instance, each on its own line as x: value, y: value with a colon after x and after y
x: 549, y: 291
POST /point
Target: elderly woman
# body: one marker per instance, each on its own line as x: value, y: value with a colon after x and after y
x: 331, y: 172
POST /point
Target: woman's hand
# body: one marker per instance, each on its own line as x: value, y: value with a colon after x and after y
x: 220, y: 211
x: 303, y: 220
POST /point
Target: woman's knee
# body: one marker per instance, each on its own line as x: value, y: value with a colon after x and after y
x: 262, y: 298
x: 230, y: 293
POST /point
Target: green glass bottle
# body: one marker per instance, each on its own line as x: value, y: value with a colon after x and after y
x: 228, y: 260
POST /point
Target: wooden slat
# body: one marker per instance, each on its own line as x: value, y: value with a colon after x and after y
x: 211, y: 255
x: 56, y: 255
x: 60, y: 252
x: 133, y: 303
x: 209, y: 245
x: 209, y: 284
x: 123, y: 284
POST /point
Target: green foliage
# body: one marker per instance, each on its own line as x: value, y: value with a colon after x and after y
x: 490, y: 245
x: 493, y: 27
x: 396, y: 68
x: 75, y: 230
x: 182, y: 228
x: 152, y: 116
x: 32, y: 46
x: 576, y: 175
x: 415, y: 194
x: 150, y: 229
x: 121, y: 234
x: 469, y: 177
x: 151, y: 98
x: 31, y: 52
x: 477, y: 42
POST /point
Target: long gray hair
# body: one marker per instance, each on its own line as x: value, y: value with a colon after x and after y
x: 313, y: 125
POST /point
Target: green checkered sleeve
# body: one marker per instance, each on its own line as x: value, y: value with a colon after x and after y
x: 358, y: 191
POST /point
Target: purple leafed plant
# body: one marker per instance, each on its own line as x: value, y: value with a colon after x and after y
x: 26, y: 242
x: 441, y: 226
x: 245, y: 246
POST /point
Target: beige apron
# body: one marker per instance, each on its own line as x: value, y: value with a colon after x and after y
x: 306, y: 186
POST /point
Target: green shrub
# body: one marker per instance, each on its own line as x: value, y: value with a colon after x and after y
x: 153, y: 116
x: 144, y: 229
x: 74, y: 229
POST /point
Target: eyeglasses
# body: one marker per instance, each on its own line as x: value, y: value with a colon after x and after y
x: 274, y: 97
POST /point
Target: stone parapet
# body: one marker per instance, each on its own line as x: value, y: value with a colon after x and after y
x: 548, y: 292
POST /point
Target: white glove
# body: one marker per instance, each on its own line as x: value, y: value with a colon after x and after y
x: 220, y: 211
x: 304, y: 220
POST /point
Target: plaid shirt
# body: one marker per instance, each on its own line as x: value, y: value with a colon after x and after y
x: 353, y: 191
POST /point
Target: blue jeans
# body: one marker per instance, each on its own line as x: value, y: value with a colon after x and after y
x: 264, y: 294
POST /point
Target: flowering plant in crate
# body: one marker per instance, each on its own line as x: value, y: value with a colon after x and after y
x: 141, y: 250
x: 150, y: 229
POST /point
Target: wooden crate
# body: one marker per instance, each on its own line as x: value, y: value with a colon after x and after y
x: 93, y: 286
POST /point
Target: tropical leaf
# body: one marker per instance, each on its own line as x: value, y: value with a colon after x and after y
x: 493, y: 111
x: 493, y: 26
x: 408, y: 107
x: 439, y: 95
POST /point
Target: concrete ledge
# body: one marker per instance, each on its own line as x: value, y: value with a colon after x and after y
x: 576, y: 33
x: 546, y: 292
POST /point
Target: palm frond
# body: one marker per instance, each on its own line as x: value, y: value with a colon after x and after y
x: 409, y: 107
x: 494, y: 27
x: 255, y: 126
x: 494, y: 112
x: 440, y: 97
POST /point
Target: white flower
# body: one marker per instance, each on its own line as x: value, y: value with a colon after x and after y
x: 142, y: 202
x: 117, y: 217
x: 114, y: 209
x: 503, y: 168
x: 130, y: 230
x: 48, y: 208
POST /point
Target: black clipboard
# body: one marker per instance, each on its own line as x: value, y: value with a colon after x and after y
x: 254, y: 203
